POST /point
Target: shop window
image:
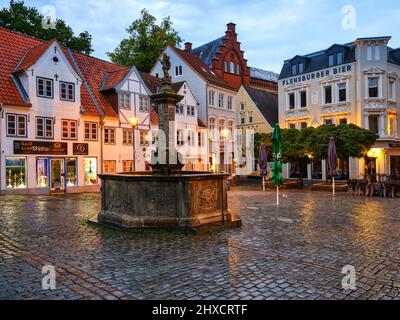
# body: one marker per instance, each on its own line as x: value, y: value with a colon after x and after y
x: 395, y: 167
x: 127, y: 166
x: 90, y: 171
x: 72, y: 169
x: 42, y: 173
x: 109, y: 166
x: 15, y: 173
x: 328, y: 122
x: 343, y: 121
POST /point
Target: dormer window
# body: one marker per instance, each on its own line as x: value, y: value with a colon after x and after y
x: 294, y: 69
x: 301, y: 68
x: 331, y: 60
x: 44, y: 88
x: 339, y: 58
x: 124, y: 100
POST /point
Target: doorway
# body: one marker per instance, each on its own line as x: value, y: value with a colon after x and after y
x: 57, y: 175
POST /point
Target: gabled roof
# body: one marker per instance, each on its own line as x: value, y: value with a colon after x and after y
x: 266, y: 102
x: 202, y: 69
x: 32, y: 55
x: 257, y: 73
x: 18, y: 52
x: 207, y: 51
x: 154, y: 83
x: 113, y: 78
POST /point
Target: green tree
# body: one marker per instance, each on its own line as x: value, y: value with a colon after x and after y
x: 146, y: 42
x: 28, y: 20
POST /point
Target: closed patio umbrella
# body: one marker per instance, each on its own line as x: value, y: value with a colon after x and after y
x: 332, y: 162
x: 263, y: 163
x: 277, y: 156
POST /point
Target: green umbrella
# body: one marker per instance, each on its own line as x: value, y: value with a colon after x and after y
x: 277, y: 178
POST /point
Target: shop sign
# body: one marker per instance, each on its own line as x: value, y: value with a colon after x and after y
x: 40, y: 147
x: 80, y: 149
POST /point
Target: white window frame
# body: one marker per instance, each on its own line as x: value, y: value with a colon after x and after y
x: 230, y: 102
x: 124, y: 100
x: 109, y: 135
x: 127, y: 136
x: 337, y: 91
x: 288, y: 100
x: 93, y: 134
x: 324, y: 96
x: 144, y: 104
x: 220, y: 100
x: 299, y: 96
x: 67, y: 86
x: 45, y: 123
x: 392, y: 87
x: 211, y: 98
x: 45, y: 81
x: 17, y: 117
x: 70, y: 136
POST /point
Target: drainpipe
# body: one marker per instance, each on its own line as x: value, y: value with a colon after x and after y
x: 101, y: 143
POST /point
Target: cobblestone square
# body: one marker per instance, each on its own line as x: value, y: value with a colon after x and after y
x: 294, y: 251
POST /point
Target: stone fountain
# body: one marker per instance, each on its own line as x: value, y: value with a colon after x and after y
x: 167, y: 197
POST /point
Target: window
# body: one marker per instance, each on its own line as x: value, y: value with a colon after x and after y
x: 303, y: 99
x: 16, y: 125
x: 392, y: 90
x: 221, y: 100
x: 292, y: 126
x: 124, y: 100
x: 191, y: 138
x: 200, y: 139
x: 303, y: 125
x: 179, y: 109
x: 212, y: 124
x: 225, y: 66
x: 109, y: 166
x: 91, y: 131
x: 127, y: 166
x: 180, y: 141
x: 238, y: 68
x: 373, y: 123
x: 342, y: 92
x: 144, y: 138
x: 377, y: 53
x: 230, y: 128
x: 232, y: 67
x: 190, y: 111
x: 221, y: 128
x: 15, y: 173
x: 339, y: 58
x: 328, y: 122
x: 109, y: 135
x: 242, y: 120
x: 343, y: 121
x: 369, y: 53
x: 328, y: 94
x: 373, y: 91
x: 44, y: 127
x: 67, y: 91
x: 42, y: 173
x: 230, y: 99
x: 211, y: 95
x: 301, y: 67
x: 143, y: 104
x: 178, y: 70
x: 90, y: 171
x: 331, y: 60
x: 69, y: 131
x: 241, y: 106
x: 127, y: 137
x: 291, y: 101
x: 44, y: 87
x: 72, y: 172
x: 294, y: 69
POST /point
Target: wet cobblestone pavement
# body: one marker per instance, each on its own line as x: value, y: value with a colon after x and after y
x: 296, y: 251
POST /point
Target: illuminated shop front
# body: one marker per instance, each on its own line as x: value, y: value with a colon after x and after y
x: 15, y: 173
x: 90, y: 171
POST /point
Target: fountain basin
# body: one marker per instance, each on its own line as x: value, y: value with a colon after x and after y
x: 186, y: 201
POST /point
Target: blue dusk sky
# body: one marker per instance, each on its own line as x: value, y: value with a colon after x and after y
x: 270, y: 31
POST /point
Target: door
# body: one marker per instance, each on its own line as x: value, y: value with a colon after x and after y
x: 57, y: 174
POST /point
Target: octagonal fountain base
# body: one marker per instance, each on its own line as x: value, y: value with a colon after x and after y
x: 190, y: 201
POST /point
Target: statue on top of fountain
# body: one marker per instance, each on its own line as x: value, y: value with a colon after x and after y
x: 166, y: 65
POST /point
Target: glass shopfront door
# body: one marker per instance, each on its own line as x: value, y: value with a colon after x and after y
x: 57, y: 174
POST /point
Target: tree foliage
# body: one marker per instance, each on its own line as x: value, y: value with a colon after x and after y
x: 351, y: 141
x: 28, y: 20
x: 146, y: 42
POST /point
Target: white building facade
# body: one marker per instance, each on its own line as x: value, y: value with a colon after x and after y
x: 353, y: 83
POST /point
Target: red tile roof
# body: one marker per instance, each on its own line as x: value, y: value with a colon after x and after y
x: 154, y: 83
x: 203, y: 69
x: 112, y: 79
x: 19, y: 51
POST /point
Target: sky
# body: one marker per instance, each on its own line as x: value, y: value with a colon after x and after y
x: 270, y: 31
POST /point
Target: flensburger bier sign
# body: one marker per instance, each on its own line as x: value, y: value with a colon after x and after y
x: 317, y: 75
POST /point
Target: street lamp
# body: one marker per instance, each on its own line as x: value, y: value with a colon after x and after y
x: 133, y: 121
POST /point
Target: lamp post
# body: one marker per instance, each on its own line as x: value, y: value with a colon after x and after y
x: 133, y: 121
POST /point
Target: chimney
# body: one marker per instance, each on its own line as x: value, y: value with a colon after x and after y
x: 188, y: 46
x: 231, y: 27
